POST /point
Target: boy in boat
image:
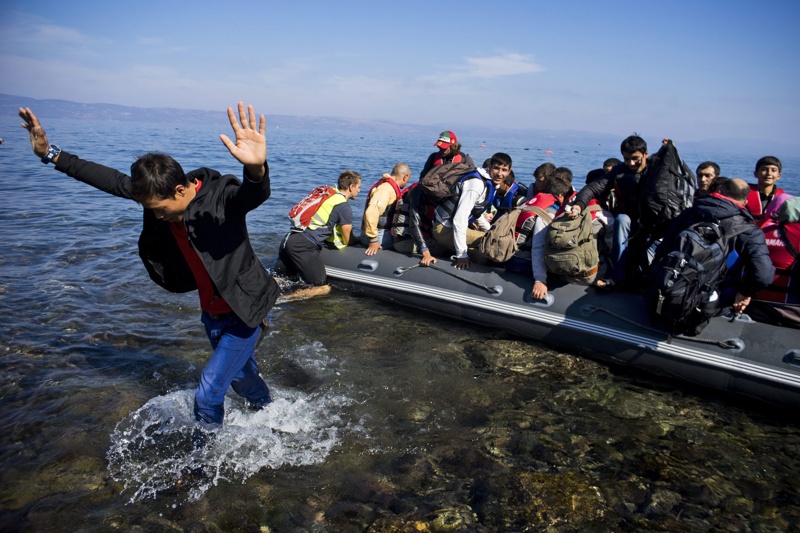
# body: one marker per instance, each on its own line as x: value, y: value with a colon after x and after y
x: 779, y: 303
x: 455, y: 214
x: 598, y: 173
x: 509, y: 193
x: 379, y: 212
x: 530, y: 232
x: 768, y: 172
x: 541, y: 176
x: 449, y: 152
x: 194, y: 237
x: 333, y: 222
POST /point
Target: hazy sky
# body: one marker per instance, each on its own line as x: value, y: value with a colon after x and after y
x: 690, y: 70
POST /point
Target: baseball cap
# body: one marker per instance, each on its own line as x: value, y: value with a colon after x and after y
x: 446, y: 138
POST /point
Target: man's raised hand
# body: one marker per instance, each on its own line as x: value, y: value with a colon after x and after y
x: 250, y: 147
x: 38, y: 137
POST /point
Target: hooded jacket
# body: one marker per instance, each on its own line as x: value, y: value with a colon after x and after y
x: 750, y: 245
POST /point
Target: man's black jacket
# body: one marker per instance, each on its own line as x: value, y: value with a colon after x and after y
x: 216, y: 226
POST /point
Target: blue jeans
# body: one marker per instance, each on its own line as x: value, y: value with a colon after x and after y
x: 621, y: 254
x: 233, y: 364
x: 619, y: 248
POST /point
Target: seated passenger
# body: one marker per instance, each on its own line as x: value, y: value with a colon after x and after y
x: 412, y: 228
x: 509, y: 193
x: 449, y: 152
x: 533, y: 243
x: 631, y: 238
x: 779, y: 303
x: 379, y: 211
x: 707, y: 172
x: 768, y: 172
x: 598, y: 173
x: 454, y: 215
x: 727, y: 201
x: 299, y: 252
x: 541, y: 176
x: 602, y: 221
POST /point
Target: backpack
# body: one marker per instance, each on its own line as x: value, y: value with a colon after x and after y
x: 499, y: 244
x: 682, y: 291
x: 570, y: 248
x: 439, y: 183
x: 300, y: 215
x: 667, y: 190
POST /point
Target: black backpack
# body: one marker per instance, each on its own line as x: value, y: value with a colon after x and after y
x: 667, y: 190
x: 682, y: 291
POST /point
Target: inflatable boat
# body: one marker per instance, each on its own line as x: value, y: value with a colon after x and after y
x: 733, y: 354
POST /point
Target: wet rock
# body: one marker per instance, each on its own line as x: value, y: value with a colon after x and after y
x: 662, y: 503
x: 451, y: 519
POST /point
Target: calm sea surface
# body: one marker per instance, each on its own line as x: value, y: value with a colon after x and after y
x: 385, y: 419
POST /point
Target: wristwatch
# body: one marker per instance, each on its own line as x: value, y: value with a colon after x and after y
x: 52, y: 152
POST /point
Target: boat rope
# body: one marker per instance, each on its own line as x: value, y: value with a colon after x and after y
x: 728, y: 344
x: 491, y: 290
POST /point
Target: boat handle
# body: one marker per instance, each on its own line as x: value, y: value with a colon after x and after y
x: 792, y: 358
x: 547, y: 301
x: 368, y: 265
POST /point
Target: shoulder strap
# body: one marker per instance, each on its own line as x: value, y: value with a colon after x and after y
x: 541, y: 213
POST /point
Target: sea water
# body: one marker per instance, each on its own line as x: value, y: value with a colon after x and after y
x: 384, y: 419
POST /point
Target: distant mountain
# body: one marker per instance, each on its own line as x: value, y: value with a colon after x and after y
x: 64, y: 109
x: 77, y: 111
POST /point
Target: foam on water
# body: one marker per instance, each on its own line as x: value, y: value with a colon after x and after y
x: 153, y: 448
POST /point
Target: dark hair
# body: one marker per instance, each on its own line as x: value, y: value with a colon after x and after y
x: 717, y: 183
x: 155, y: 175
x: 632, y: 144
x: 348, y: 178
x: 611, y: 162
x: 501, y: 159
x: 510, y: 178
x: 706, y: 164
x: 734, y: 189
x: 545, y: 169
x: 563, y: 173
x: 558, y: 186
x: 769, y: 160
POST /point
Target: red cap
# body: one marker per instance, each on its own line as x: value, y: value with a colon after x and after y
x: 446, y: 138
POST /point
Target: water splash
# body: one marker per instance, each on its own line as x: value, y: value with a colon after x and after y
x: 153, y: 450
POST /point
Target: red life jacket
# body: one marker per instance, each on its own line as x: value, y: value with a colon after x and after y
x: 527, y: 219
x: 754, y: 201
x: 385, y: 218
x: 456, y: 159
x: 783, y: 242
x: 572, y: 197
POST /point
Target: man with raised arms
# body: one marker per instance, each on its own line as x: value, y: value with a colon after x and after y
x: 194, y: 237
